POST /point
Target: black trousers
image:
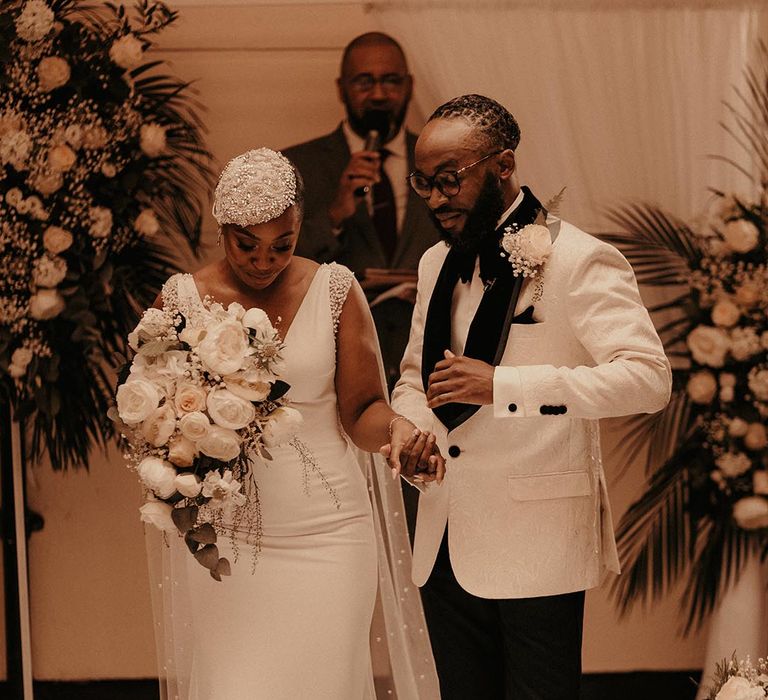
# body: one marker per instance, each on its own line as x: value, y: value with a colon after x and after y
x: 507, y: 649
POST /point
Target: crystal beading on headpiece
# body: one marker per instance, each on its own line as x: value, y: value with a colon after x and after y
x: 255, y: 187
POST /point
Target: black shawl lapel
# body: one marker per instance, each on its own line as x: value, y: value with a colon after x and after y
x: 489, y: 330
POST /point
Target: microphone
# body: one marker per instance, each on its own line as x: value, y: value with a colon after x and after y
x: 372, y: 143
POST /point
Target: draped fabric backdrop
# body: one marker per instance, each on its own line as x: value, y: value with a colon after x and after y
x: 616, y: 100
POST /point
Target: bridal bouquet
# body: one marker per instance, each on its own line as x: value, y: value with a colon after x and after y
x: 740, y: 680
x: 202, y: 397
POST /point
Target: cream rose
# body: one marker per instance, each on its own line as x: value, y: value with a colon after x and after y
x: 751, y: 513
x: 192, y: 335
x: 146, y: 223
x: 189, y: 398
x: 136, y: 400
x: 738, y: 427
x: 725, y: 313
x: 158, y: 475
x: 733, y: 463
x: 758, y: 383
x: 101, y: 222
x: 181, y: 451
x: 282, y: 426
x: 127, y: 51
x: 220, y: 443
x: 756, y: 438
x: 250, y: 391
x: 741, y: 235
x: 159, y: 425
x: 152, y: 140
x: 158, y: 514
x: 228, y: 410
x: 224, y: 347
x: 708, y: 345
x: 49, y: 272
x: 46, y: 304
x: 188, y: 485
x: 34, y: 21
x: 48, y: 183
x: 702, y: 387
x: 194, y: 426
x: 52, y: 73
x: 535, y: 243
x: 236, y: 310
x: 257, y: 319
x: 748, y: 294
x: 61, y: 158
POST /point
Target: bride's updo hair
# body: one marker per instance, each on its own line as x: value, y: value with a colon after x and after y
x: 255, y: 187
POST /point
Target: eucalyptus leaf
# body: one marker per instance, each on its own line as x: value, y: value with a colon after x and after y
x: 184, y: 518
x: 208, y: 556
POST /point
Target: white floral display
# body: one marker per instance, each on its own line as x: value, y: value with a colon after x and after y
x: 200, y: 400
x: 101, y: 163
x: 740, y: 679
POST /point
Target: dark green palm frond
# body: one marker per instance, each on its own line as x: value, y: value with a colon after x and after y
x: 661, y: 248
x: 653, y: 538
x: 722, y: 549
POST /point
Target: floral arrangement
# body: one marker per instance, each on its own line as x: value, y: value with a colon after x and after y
x: 101, y: 160
x: 740, y: 680
x: 527, y: 249
x: 706, y: 507
x: 202, y: 397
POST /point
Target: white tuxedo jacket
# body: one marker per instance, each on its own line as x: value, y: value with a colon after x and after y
x: 524, y: 496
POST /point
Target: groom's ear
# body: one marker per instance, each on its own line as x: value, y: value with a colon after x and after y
x: 507, y: 164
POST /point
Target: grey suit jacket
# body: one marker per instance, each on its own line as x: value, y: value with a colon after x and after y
x: 321, y: 162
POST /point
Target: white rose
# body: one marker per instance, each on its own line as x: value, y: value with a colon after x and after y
x: 708, y: 345
x: 224, y: 347
x: 152, y: 140
x: 750, y: 513
x: 46, y: 304
x: 535, y: 243
x: 725, y: 313
x: 158, y: 475
x: 94, y: 137
x: 188, y: 485
x: 146, y: 223
x: 733, y: 463
x: 34, y: 21
x: 220, y: 443
x: 282, y: 426
x: 194, y: 426
x: 741, y: 235
x: 702, y: 387
x: 182, y: 452
x: 127, y: 51
x: 192, y: 335
x: 250, y: 391
x: 61, y: 158
x: 101, y: 222
x: 136, y: 400
x: 257, y: 319
x: 159, y: 425
x: 189, y: 398
x: 738, y: 427
x: 236, y: 310
x: 49, y: 272
x: 48, y: 183
x: 228, y: 410
x: 158, y: 514
x: 758, y: 383
x: 756, y: 438
x: 52, y: 73
x: 760, y: 482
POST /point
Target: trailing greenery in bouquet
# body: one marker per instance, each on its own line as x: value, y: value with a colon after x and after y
x: 706, y: 507
x: 201, y: 399
x: 101, y: 162
x: 739, y: 679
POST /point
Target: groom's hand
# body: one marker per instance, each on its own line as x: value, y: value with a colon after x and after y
x: 460, y: 379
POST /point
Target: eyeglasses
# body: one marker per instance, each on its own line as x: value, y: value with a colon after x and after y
x: 448, y: 182
x: 365, y: 82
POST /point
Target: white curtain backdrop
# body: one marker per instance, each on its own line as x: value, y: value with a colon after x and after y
x: 616, y: 101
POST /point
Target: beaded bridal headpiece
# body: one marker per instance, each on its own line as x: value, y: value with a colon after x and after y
x: 254, y: 187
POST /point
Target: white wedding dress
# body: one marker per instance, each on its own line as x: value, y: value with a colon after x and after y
x: 296, y: 623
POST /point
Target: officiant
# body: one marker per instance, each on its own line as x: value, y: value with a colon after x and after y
x: 359, y: 209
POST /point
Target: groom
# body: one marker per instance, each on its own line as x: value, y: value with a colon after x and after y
x: 512, y: 373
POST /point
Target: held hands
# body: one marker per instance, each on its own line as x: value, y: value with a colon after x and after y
x: 362, y: 171
x: 413, y: 453
x: 460, y: 379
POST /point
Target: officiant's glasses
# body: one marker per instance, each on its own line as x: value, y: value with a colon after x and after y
x: 448, y: 182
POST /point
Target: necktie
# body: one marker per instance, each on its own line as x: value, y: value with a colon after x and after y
x: 384, y: 214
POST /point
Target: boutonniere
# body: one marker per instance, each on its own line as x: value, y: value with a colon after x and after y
x: 527, y: 249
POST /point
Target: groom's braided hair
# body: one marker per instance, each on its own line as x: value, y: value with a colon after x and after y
x: 493, y: 121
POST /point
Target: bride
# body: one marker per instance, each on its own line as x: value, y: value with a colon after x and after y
x: 296, y: 623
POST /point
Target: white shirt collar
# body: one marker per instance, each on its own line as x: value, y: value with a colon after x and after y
x: 512, y: 207
x: 396, y: 146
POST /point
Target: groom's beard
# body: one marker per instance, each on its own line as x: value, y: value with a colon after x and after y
x: 481, y: 221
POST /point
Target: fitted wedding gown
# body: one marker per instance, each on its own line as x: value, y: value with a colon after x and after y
x: 296, y: 623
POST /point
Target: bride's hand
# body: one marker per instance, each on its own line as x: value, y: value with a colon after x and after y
x: 414, y: 453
